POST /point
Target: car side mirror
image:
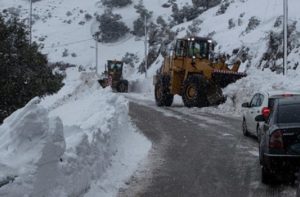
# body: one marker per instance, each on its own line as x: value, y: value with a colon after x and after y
x: 246, y: 105
x: 260, y: 118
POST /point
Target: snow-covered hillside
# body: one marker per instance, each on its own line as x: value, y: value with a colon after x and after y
x: 83, y: 133
x: 61, y: 26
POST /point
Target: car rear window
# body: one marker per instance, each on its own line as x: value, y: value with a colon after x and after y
x: 288, y: 113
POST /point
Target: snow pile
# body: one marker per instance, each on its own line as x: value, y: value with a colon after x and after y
x: 244, y: 89
x: 65, y: 148
x: 32, y: 145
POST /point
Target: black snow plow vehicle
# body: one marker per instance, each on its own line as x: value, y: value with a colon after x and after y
x: 113, y: 76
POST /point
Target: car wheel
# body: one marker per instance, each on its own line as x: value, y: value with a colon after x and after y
x: 244, y: 127
x: 260, y: 154
x: 266, y: 176
x: 258, y: 133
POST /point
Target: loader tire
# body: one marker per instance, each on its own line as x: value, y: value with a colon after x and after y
x: 194, y: 91
x: 122, y: 86
x: 163, y: 96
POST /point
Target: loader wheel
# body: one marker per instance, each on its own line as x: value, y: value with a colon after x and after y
x: 122, y: 86
x: 194, y: 91
x: 163, y: 97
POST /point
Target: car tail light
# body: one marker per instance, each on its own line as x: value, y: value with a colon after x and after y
x: 265, y: 112
x: 276, y: 140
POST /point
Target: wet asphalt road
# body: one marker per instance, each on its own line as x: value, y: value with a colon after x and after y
x: 202, y: 155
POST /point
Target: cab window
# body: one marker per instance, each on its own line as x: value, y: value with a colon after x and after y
x: 180, y: 49
x: 198, y: 49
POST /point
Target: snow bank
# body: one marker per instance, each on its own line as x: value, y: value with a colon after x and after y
x: 31, y: 145
x: 243, y: 90
x: 62, y: 145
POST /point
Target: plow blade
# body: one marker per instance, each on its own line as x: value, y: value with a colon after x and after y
x: 103, y: 83
x: 224, y: 78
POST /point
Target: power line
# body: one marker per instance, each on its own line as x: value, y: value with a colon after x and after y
x: 81, y: 41
x: 68, y: 44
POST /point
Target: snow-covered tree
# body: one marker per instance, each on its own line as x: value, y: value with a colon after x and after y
x: 24, y: 71
x: 111, y: 27
x: 138, y: 24
x: 205, y: 3
x: 116, y: 3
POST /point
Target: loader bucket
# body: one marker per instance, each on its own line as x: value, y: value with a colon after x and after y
x: 223, y: 78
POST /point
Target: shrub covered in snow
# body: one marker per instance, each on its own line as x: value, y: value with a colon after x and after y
x: 12, y: 11
x: 116, y: 3
x: 194, y: 28
x: 130, y: 59
x: 206, y: 3
x: 138, y: 27
x: 225, y: 4
x: 240, y: 22
x: 111, y: 27
x: 187, y: 13
x: 65, y: 53
x: 88, y: 17
x: 69, y: 13
x: 139, y: 24
x: 231, y: 23
x: 278, y: 22
x: 252, y: 24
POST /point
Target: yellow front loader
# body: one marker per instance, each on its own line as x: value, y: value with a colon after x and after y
x: 194, y: 73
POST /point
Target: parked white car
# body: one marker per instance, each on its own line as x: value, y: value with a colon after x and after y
x: 260, y: 103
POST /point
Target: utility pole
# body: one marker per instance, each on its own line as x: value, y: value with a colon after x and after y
x: 285, y: 36
x: 96, y: 46
x: 30, y: 23
x: 146, y: 47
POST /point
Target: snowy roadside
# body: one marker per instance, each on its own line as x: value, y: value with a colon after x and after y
x: 70, y: 142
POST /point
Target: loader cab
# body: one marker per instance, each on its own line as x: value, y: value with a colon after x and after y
x: 115, y: 68
x: 194, y: 47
